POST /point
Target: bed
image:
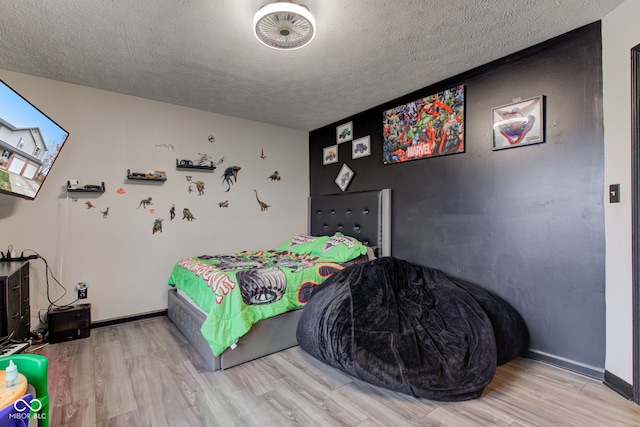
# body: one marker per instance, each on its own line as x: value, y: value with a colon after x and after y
x: 364, y: 216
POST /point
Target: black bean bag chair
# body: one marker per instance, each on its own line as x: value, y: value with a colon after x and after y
x: 411, y: 329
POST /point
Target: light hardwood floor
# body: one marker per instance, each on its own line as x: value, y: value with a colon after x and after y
x: 145, y: 373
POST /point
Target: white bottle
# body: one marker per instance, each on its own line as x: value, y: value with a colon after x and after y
x: 11, y: 375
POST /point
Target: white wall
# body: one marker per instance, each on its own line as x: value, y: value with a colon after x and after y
x: 125, y: 265
x: 620, y: 32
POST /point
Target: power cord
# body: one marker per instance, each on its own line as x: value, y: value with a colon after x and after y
x: 52, y: 304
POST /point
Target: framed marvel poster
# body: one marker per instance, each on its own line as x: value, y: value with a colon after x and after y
x: 427, y: 127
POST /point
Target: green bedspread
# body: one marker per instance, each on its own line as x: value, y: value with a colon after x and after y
x: 239, y: 290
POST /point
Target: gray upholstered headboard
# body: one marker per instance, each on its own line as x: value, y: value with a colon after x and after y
x: 365, y: 215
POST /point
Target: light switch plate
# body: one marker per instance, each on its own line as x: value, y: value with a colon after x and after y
x: 614, y: 193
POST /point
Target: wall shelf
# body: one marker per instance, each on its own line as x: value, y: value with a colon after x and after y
x: 188, y: 164
x: 146, y: 176
x: 85, y: 188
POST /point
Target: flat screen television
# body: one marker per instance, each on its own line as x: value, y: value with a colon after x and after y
x: 29, y: 144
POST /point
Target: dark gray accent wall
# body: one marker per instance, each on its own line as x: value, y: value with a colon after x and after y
x: 526, y: 222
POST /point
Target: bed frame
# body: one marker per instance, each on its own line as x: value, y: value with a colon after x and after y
x: 364, y: 215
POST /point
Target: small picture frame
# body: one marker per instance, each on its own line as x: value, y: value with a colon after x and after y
x: 344, y: 133
x: 330, y: 154
x: 361, y: 147
x: 344, y: 177
x: 519, y: 123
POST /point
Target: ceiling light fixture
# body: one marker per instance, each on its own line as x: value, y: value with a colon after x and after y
x: 284, y: 25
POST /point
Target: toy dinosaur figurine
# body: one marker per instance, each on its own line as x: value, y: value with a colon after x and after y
x: 230, y: 176
x: 105, y: 214
x: 224, y: 204
x: 263, y: 205
x: 157, y: 226
x: 89, y: 205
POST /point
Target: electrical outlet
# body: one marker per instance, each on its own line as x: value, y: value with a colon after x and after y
x: 83, y: 290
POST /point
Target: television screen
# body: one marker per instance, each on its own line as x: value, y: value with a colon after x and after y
x: 29, y: 144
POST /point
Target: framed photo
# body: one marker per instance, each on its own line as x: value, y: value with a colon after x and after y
x: 361, y: 147
x: 344, y: 177
x: 519, y: 123
x: 330, y: 154
x: 344, y: 133
x: 427, y: 127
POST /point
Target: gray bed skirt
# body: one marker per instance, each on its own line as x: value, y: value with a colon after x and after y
x: 265, y: 337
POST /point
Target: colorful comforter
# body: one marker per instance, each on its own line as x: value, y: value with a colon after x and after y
x: 241, y: 289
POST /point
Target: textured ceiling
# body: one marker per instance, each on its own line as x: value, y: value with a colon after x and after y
x: 203, y: 54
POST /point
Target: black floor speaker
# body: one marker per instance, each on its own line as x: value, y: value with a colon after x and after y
x: 69, y: 323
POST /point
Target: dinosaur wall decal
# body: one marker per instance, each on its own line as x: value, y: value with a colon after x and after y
x: 230, y: 176
x: 263, y: 205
